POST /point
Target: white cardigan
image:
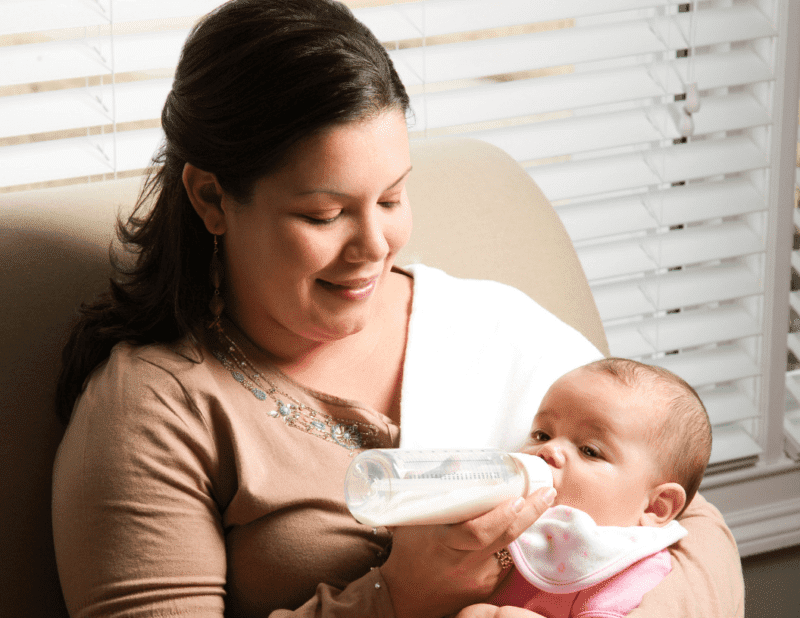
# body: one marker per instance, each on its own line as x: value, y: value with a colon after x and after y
x: 480, y: 356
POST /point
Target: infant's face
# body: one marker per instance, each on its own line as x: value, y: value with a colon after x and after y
x: 591, y: 430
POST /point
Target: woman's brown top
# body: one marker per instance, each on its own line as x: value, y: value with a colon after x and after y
x: 181, y: 489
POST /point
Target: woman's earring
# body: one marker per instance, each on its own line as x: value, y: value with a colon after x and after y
x: 217, y: 305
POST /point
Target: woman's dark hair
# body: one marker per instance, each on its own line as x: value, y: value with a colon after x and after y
x: 254, y: 78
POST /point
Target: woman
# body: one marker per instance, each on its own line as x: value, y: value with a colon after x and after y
x: 263, y: 336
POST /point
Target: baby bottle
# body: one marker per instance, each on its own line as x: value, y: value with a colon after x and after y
x: 391, y: 487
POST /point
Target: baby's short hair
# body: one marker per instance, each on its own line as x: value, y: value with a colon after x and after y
x: 682, y: 437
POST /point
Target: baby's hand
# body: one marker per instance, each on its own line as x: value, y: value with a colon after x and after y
x: 484, y: 610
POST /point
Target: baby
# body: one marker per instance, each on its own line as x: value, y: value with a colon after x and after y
x: 628, y: 444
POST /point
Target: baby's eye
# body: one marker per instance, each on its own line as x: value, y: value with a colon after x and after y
x: 590, y: 451
x: 539, y: 436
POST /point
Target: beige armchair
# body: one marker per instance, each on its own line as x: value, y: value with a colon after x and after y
x: 476, y: 214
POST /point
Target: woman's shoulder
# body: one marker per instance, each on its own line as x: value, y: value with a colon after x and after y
x: 135, y: 407
x: 141, y: 381
x: 182, y: 358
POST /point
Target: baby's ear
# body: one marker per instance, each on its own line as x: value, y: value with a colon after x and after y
x: 666, y: 501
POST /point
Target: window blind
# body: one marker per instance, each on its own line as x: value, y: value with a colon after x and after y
x: 671, y: 225
x: 83, y: 83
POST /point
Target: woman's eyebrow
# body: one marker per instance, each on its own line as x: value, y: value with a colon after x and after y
x: 340, y: 194
x: 399, y: 180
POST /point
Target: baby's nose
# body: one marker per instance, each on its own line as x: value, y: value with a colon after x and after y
x: 552, y: 453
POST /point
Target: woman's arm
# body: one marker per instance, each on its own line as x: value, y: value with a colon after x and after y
x: 137, y: 527
x: 706, y: 577
x: 141, y: 483
x: 139, y: 491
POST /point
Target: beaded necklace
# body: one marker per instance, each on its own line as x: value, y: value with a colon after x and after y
x: 350, y: 434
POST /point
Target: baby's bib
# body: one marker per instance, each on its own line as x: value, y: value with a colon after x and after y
x: 566, y: 551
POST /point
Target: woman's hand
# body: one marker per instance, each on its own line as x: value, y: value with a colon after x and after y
x: 436, y: 570
x: 484, y: 610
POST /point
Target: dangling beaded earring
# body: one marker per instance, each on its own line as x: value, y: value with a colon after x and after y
x: 217, y: 305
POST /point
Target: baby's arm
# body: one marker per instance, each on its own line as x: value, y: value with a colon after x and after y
x: 484, y: 610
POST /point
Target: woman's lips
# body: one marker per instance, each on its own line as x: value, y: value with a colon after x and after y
x: 352, y: 289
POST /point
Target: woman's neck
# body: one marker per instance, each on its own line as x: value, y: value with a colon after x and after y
x: 365, y: 366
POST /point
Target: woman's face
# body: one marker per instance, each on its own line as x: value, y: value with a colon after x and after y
x: 311, y: 253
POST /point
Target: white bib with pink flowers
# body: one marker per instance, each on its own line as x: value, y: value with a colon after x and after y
x: 566, y: 551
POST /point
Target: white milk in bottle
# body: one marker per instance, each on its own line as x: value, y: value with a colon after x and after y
x: 391, y: 487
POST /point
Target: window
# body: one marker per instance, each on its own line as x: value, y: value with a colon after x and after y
x: 681, y: 220
x: 83, y: 83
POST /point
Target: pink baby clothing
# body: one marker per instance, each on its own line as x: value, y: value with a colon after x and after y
x: 614, y: 598
x: 567, y: 565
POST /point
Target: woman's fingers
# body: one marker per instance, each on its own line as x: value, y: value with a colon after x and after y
x: 436, y: 570
x: 500, y: 526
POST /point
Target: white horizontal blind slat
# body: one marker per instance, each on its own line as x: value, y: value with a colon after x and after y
x: 579, y: 178
x: 23, y: 16
x: 673, y: 206
x: 606, y: 131
x: 573, y: 135
x: 727, y: 404
x: 521, y: 52
x: 136, y: 10
x: 439, y: 17
x: 678, y: 248
x: 718, y: 25
x: 44, y: 62
x: 687, y: 287
x: 541, y: 95
x: 153, y: 50
x: 73, y: 108
x: 532, y: 96
x: 724, y: 363
x: 734, y: 67
x: 78, y: 156
x: 682, y: 330
x: 509, y: 54
x: 63, y: 60
x: 707, y: 158
x: 731, y: 443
